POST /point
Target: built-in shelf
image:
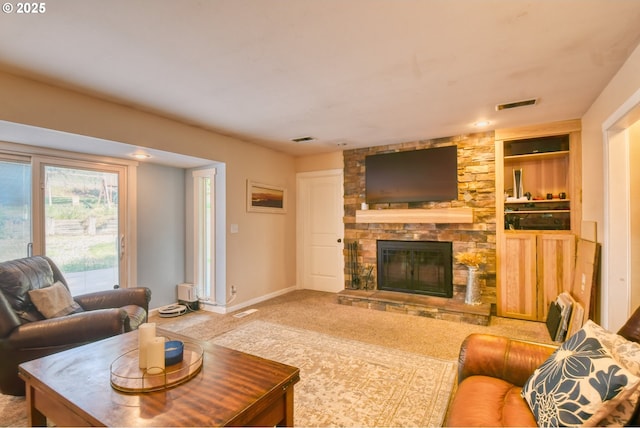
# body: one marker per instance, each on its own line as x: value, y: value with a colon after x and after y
x: 536, y: 201
x: 534, y: 156
x: 536, y: 211
x: 417, y: 215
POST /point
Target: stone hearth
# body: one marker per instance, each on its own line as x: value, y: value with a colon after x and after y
x: 449, y: 309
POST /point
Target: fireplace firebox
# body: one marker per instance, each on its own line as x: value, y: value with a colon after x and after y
x: 419, y: 267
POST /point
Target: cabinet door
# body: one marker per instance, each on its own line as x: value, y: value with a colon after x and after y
x: 517, y: 294
x: 556, y: 258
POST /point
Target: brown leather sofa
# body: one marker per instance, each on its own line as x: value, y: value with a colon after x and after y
x: 491, y: 373
x: 25, y: 334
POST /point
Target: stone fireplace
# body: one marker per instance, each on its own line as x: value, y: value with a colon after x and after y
x: 476, y: 198
x: 418, y: 267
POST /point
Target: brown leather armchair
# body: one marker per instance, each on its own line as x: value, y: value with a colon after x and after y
x: 492, y: 371
x: 26, y: 335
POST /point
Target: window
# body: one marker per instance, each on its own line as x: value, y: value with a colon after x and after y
x: 204, y: 232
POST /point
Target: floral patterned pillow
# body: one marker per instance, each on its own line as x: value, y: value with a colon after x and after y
x: 627, y: 353
x: 579, y: 384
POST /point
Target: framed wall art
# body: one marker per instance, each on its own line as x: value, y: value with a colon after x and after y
x: 266, y: 198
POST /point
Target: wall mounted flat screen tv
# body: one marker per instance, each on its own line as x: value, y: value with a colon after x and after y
x: 412, y: 176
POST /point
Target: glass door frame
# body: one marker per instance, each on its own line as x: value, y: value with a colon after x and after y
x: 127, y: 212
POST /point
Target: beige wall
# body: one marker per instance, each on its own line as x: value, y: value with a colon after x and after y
x: 634, y: 187
x: 321, y: 162
x: 261, y: 257
x: 622, y: 86
x: 613, y: 99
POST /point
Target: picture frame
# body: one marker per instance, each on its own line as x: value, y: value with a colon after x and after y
x: 266, y: 198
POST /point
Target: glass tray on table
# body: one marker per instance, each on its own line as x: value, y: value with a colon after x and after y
x: 126, y: 376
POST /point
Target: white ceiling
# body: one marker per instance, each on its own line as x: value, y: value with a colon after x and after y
x: 351, y: 73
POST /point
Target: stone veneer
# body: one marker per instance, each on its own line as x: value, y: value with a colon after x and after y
x: 476, y: 189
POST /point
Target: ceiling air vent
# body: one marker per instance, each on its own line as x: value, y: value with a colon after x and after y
x: 306, y: 139
x: 516, y: 104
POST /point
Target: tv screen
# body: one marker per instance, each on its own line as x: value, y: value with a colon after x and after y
x: 412, y: 176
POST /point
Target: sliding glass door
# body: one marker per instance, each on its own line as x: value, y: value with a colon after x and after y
x: 15, y: 207
x: 71, y: 209
x: 81, y: 225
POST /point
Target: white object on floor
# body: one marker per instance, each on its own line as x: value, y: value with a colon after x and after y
x: 172, y: 311
x: 245, y: 313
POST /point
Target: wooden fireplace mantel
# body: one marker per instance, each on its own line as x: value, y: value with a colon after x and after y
x: 417, y: 215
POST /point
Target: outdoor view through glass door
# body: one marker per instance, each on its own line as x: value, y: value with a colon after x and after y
x: 15, y: 208
x: 81, y: 226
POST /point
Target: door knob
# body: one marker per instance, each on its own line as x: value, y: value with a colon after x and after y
x: 339, y: 240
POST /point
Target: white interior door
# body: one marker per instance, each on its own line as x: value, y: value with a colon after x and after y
x: 320, y: 231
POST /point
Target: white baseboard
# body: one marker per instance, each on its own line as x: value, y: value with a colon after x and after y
x: 221, y: 309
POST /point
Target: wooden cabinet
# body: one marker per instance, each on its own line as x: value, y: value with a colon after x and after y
x: 538, y: 215
x: 518, y: 289
x: 556, y: 255
x: 534, y: 269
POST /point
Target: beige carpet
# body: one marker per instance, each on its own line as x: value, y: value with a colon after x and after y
x: 320, y: 312
x: 12, y: 411
x: 350, y: 383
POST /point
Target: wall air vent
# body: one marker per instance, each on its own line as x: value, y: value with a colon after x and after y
x: 516, y: 104
x: 306, y: 139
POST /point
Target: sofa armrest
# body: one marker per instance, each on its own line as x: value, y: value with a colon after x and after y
x: 8, y: 318
x: 500, y: 357
x: 631, y: 329
x: 139, y: 296
x: 77, y: 328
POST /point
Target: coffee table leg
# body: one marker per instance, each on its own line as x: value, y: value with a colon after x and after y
x: 34, y: 417
x: 287, y: 421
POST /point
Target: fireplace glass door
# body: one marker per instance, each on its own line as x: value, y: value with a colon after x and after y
x: 420, y: 267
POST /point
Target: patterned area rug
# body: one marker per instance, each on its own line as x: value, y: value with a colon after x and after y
x: 349, y: 383
x: 343, y: 382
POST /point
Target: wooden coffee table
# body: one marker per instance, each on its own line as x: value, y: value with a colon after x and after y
x: 72, y: 388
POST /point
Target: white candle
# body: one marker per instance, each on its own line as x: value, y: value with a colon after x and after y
x: 155, y: 356
x: 146, y: 332
x: 364, y: 206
